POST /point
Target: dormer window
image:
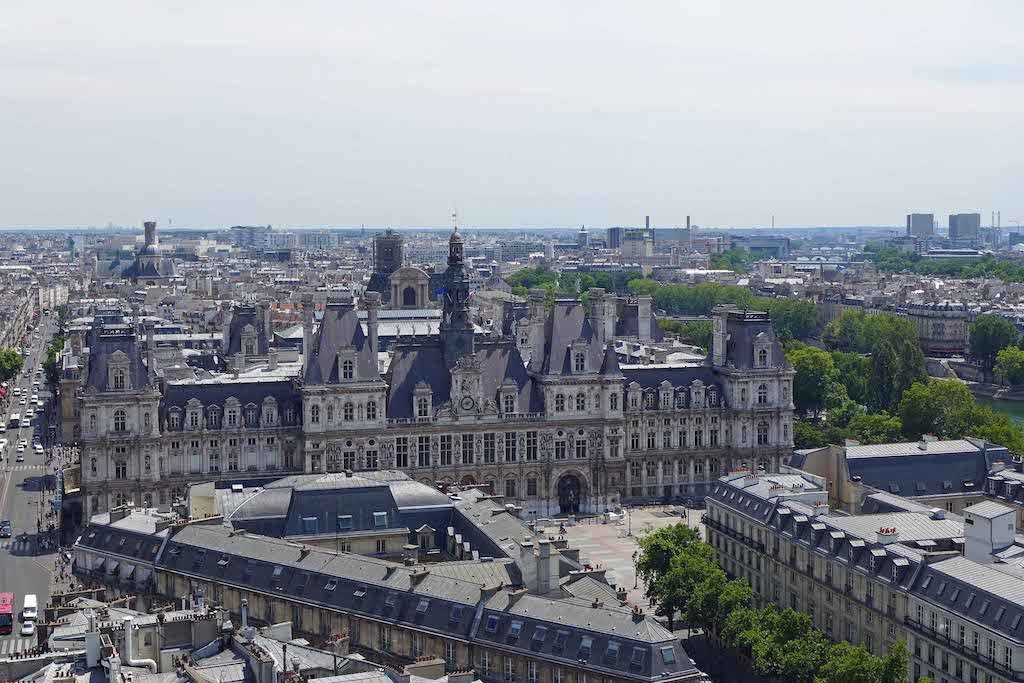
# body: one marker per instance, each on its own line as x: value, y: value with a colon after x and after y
x: 762, y: 358
x: 648, y: 401
x: 175, y: 419
x: 118, y: 380
x: 681, y: 399
x: 213, y: 417
x: 713, y: 396
x: 508, y: 404
x: 579, y: 362
x: 347, y: 370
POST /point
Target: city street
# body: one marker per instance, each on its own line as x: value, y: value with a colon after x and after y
x: 22, y: 493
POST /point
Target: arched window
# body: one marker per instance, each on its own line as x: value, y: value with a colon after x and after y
x: 580, y: 362
x: 713, y: 465
x: 146, y: 420
x: 762, y: 357
x: 698, y: 467
x: 314, y: 414
x: 120, y: 498
x: 92, y: 422
x: 348, y: 412
x: 330, y: 412
x: 712, y: 396
x: 371, y: 410
x: 559, y: 403
x: 120, y: 421
x: 509, y: 404
x: 613, y: 401
x: 762, y: 394
x: 785, y: 392
x: 762, y: 433
x: 581, y: 402
x: 346, y: 370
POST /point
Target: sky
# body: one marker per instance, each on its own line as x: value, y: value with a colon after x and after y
x: 521, y: 114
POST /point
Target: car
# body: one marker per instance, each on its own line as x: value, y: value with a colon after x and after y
x: 38, y: 448
x: 28, y: 628
x: 22, y: 402
x: 5, y: 529
x: 21, y: 455
x: 3, y: 428
x: 35, y: 384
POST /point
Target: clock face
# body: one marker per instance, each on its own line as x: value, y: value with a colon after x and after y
x: 467, y: 403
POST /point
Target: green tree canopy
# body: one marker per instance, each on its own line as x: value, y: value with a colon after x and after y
x: 11, y: 363
x: 1009, y: 365
x: 990, y: 334
x: 816, y: 378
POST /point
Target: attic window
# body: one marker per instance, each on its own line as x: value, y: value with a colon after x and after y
x: 586, y: 643
x: 668, y: 655
x: 541, y: 632
x: 955, y: 595
x: 894, y: 488
x: 360, y: 592
x: 176, y: 550
x: 137, y: 548
x: 984, y: 607
x: 277, y: 572
x: 380, y: 519
x: 390, y: 601
x: 198, y: 560
x: 331, y: 585
x: 309, y: 525
x: 455, y: 615
x: 300, y: 586
x: 1015, y: 623
x: 91, y: 535
x: 120, y: 543
x: 919, y: 487
x: 492, y: 624
x: 1000, y: 612
x: 968, y: 484
x: 970, y: 601
x: 947, y: 485
x: 515, y: 629
x: 423, y: 606
x: 250, y: 566
x: 927, y: 582
x: 638, y: 656
x: 223, y: 561
x: 560, y: 638
x: 344, y: 522
x: 942, y: 588
x: 612, y: 653
x: 106, y: 539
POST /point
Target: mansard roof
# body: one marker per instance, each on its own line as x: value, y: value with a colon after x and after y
x: 110, y: 342
x: 564, y: 325
x: 498, y: 361
x: 241, y: 316
x: 339, y: 330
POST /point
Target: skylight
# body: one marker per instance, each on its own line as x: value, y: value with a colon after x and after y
x: 492, y: 624
x: 638, y: 656
x: 560, y: 638
x: 423, y: 606
x: 455, y: 614
x: 515, y: 629
x: 586, y: 642
x: 612, y: 653
x: 331, y: 585
x: 668, y: 655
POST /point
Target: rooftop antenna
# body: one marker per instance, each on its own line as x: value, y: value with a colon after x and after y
x: 455, y: 220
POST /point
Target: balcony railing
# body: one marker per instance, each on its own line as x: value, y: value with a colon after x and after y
x: 968, y: 653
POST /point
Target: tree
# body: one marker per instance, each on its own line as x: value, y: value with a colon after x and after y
x: 884, y: 368
x: 847, y: 663
x: 1009, y: 365
x: 658, y: 549
x: 990, y: 334
x: 815, y: 377
x: 715, y: 598
x: 855, y: 374
x: 876, y: 428
x: 806, y: 435
x: 911, y: 367
x: 11, y: 363
x: 674, y: 590
x: 697, y: 332
x: 50, y: 368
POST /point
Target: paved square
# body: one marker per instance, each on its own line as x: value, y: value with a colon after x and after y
x: 608, y: 546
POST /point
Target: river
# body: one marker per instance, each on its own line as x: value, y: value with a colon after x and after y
x: 1015, y: 409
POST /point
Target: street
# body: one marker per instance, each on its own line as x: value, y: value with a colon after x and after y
x: 21, y: 496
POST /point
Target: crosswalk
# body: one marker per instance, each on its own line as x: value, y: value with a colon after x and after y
x: 12, y: 644
x: 22, y: 467
x: 16, y: 546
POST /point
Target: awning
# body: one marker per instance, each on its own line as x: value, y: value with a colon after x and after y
x: 800, y: 518
x: 857, y: 543
x: 837, y: 534
x: 878, y: 552
x: 901, y: 562
x: 817, y: 526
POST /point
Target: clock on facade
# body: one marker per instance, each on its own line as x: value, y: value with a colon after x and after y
x: 467, y: 403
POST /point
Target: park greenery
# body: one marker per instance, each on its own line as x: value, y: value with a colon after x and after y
x: 11, y: 363
x: 990, y: 334
x: 681, y: 577
x: 51, y: 368
x: 737, y: 260
x: 567, y: 284
x: 894, y: 260
x: 697, y: 332
x: 872, y: 386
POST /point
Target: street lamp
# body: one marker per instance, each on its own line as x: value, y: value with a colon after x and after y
x: 636, y: 575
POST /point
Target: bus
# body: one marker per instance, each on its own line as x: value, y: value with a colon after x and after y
x: 15, y: 420
x: 6, y: 613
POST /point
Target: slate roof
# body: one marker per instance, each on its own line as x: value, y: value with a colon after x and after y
x: 946, y: 467
x: 415, y: 363
x: 650, y: 378
x: 745, y: 328
x: 340, y: 330
x: 242, y: 315
x: 106, y: 340
x: 282, y: 390
x: 564, y: 324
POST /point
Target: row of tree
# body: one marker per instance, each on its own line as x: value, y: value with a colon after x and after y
x: 682, y: 577
x: 893, y: 260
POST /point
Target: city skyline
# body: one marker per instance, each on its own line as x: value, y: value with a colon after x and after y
x: 539, y: 116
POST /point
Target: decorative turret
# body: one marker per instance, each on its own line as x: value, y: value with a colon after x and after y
x: 456, y: 325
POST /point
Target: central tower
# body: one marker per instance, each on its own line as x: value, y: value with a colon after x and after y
x: 456, y: 325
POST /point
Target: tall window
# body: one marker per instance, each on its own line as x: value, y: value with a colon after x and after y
x: 446, y: 450
x: 423, y: 451
x: 348, y: 412
x: 314, y: 414
x: 422, y: 407
x: 581, y: 402
x: 762, y: 433
x: 580, y: 363
x: 613, y: 402
x: 581, y: 448
x: 509, y: 406
x: 762, y: 357
x: 510, y: 488
x: 119, y: 380
x: 371, y: 410
x: 510, y: 447
x: 762, y: 394
x: 467, y: 449
x: 120, y: 469
x: 120, y: 421
x: 531, y: 445
x: 489, y: 447
x: 559, y: 403
x: 402, y: 451
x: 347, y: 370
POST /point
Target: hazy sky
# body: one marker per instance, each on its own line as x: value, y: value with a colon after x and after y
x: 344, y: 113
